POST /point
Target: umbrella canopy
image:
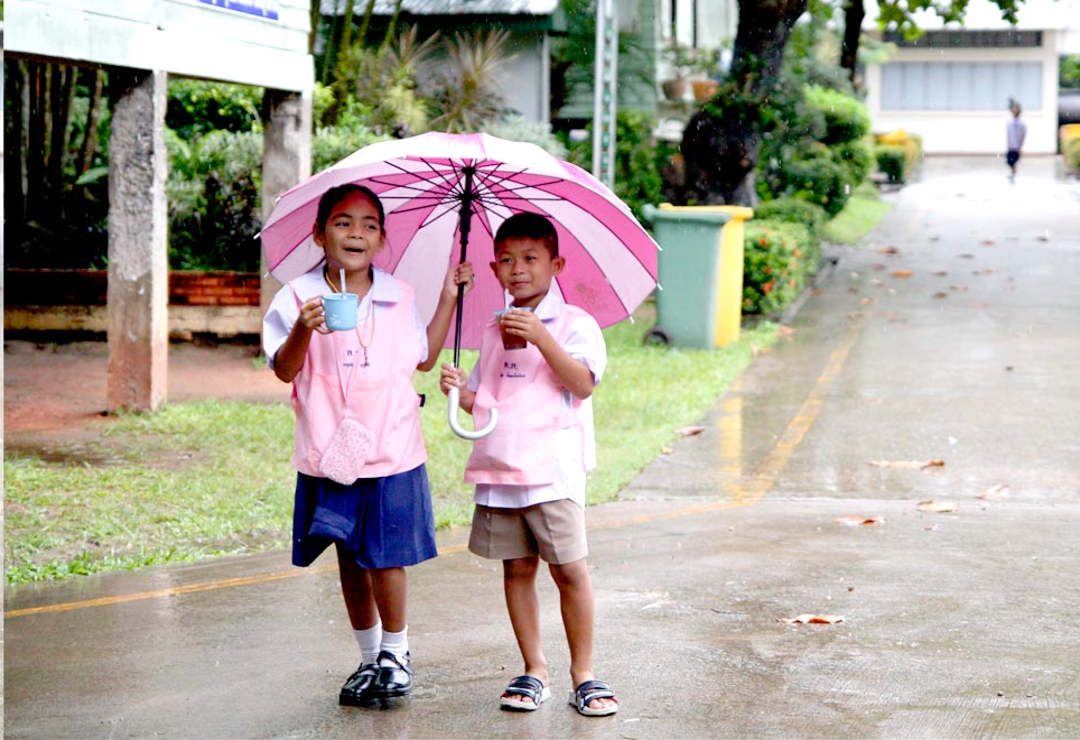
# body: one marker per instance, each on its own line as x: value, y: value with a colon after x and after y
x: 433, y: 184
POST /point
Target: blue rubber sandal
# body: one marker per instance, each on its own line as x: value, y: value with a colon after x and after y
x: 529, y: 687
x: 586, y: 692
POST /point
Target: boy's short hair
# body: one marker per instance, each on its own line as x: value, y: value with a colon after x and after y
x: 527, y: 225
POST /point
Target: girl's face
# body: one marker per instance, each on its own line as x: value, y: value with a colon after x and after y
x: 352, y: 235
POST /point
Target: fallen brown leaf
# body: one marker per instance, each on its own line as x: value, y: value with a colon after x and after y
x: 936, y: 507
x: 889, y: 250
x: 910, y: 464
x: 854, y: 520
x: 877, y: 266
x: 999, y: 491
x: 901, y: 273
x: 666, y: 450
x: 958, y: 288
x: 811, y: 619
x: 968, y: 256
x: 689, y: 431
x: 984, y: 271
x: 987, y: 242
x: 939, y: 294
x: 941, y: 273
x: 866, y: 300
x: 784, y: 331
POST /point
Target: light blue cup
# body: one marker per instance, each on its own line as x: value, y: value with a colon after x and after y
x: 340, y: 310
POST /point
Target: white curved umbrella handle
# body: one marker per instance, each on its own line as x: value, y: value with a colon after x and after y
x: 451, y: 416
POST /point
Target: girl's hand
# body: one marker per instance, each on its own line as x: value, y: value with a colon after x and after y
x: 451, y: 377
x: 312, y: 315
x: 457, y: 275
x: 524, y: 324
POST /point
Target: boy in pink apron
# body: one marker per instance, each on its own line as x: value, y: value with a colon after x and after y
x: 530, y: 471
x: 359, y: 452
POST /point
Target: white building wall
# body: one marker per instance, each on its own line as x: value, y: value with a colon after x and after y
x: 526, y: 77
x: 973, y: 131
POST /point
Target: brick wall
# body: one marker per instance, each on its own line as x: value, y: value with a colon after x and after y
x: 225, y: 304
x: 90, y: 287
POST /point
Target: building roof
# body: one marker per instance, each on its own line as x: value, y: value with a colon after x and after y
x: 448, y: 7
x: 1031, y: 15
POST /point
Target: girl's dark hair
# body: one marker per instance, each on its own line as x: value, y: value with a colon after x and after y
x: 529, y: 226
x: 338, y: 193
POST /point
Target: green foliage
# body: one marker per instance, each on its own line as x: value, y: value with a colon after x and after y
x: 1070, y: 146
x: 862, y: 213
x: 639, y: 159
x: 467, y: 90
x: 796, y: 211
x: 1069, y: 71
x: 901, y: 14
x: 846, y: 118
x: 196, y: 107
x: 891, y: 161
x: 214, y: 194
x: 817, y: 178
x: 518, y: 128
x: 333, y: 143
x: 856, y: 159
x: 779, y: 259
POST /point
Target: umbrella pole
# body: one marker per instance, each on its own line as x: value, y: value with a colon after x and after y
x: 465, y: 224
x: 465, y: 215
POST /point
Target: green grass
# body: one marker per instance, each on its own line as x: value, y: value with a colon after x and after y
x: 212, y: 478
x: 863, y: 211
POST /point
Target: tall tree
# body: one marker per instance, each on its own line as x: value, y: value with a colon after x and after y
x: 721, y: 142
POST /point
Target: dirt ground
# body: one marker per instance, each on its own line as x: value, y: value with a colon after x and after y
x: 55, y: 393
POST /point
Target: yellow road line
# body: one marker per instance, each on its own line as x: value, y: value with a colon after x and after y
x: 764, y: 479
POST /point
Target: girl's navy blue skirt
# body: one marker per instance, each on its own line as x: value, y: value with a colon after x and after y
x: 383, y: 522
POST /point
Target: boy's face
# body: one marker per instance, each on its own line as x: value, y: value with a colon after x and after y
x: 525, y: 268
x: 352, y: 235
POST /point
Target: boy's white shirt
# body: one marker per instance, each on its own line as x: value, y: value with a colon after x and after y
x: 284, y: 311
x: 585, y: 342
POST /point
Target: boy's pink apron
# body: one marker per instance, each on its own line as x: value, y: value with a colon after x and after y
x: 529, y: 396
x: 381, y: 396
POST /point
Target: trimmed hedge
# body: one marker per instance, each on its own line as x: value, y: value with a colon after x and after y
x: 891, y: 162
x: 846, y: 117
x: 794, y: 211
x: 909, y: 144
x: 779, y: 259
x: 1070, y: 146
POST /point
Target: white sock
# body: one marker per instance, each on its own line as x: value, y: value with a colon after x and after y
x: 396, y: 643
x: 369, y: 641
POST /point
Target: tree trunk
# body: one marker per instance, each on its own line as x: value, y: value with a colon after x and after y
x: 721, y: 142
x: 14, y: 83
x: 330, y: 52
x: 35, y: 143
x: 89, y: 142
x: 60, y: 101
x: 362, y: 34
x: 391, y: 27
x: 854, y: 12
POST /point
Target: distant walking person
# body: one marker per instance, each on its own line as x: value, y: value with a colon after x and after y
x: 1015, y: 130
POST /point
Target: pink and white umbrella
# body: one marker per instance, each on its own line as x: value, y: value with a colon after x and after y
x: 434, y: 183
x: 445, y: 194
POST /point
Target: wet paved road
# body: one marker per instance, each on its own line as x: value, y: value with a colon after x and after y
x: 955, y: 624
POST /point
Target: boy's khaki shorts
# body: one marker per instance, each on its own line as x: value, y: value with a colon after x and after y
x: 554, y: 530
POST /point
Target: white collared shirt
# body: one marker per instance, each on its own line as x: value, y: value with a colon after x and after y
x: 585, y: 342
x: 284, y: 310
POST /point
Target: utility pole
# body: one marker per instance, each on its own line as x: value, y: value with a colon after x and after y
x: 607, y: 62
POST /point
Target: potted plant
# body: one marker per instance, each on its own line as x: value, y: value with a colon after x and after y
x: 680, y: 59
x: 706, y: 65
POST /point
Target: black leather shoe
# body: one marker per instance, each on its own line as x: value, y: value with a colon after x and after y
x: 357, y: 690
x: 395, y: 676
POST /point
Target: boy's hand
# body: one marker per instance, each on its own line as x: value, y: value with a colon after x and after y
x: 525, y: 324
x: 457, y: 275
x: 451, y: 377
x: 312, y: 315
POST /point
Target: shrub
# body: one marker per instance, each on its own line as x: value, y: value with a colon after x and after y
x: 856, y: 158
x: 639, y: 159
x: 892, y: 161
x: 846, y: 118
x: 333, y: 143
x: 818, y: 179
x: 517, y: 127
x: 794, y: 211
x: 778, y: 261
x: 196, y: 107
x: 1070, y: 146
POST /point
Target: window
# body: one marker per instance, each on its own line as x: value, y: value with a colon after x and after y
x: 960, y: 85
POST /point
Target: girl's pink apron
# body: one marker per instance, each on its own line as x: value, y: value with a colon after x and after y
x: 380, y: 396
x: 529, y: 396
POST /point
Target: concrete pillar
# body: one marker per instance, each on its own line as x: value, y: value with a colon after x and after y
x: 286, y: 160
x: 138, y: 294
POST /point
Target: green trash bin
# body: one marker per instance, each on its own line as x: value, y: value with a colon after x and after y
x: 699, y: 301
